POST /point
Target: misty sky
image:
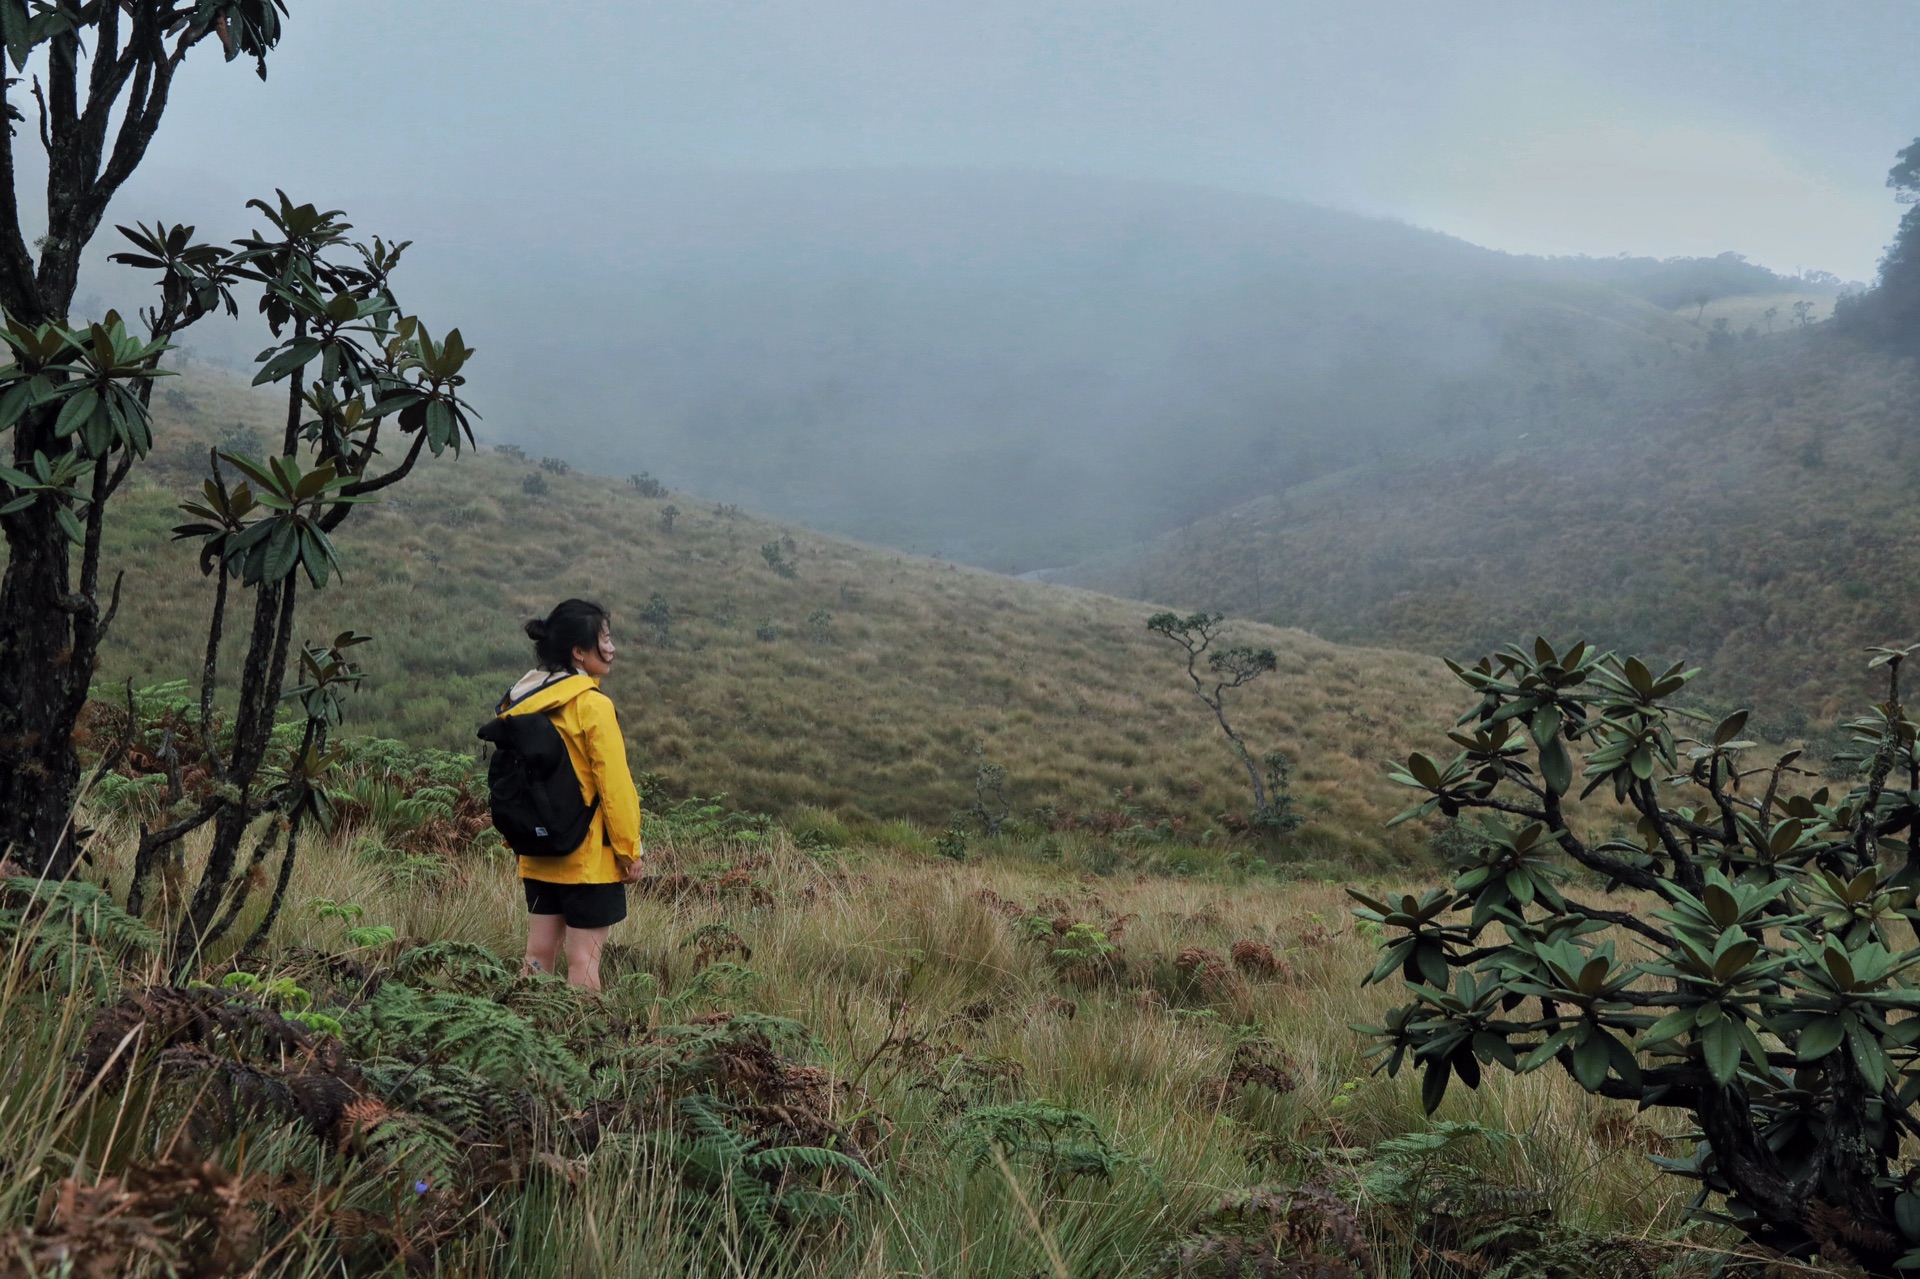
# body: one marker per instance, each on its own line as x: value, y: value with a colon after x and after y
x: 1662, y: 129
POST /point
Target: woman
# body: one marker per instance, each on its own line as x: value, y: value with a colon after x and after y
x: 573, y: 901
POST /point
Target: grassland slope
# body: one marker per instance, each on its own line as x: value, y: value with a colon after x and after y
x: 860, y: 684
x: 1748, y: 509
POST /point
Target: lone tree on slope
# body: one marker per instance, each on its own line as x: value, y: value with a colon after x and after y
x: 1227, y: 669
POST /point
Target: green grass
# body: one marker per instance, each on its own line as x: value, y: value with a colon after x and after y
x: 873, y: 721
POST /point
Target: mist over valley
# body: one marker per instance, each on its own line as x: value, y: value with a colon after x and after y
x: 1024, y: 370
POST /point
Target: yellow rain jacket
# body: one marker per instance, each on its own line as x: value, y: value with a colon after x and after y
x: 584, y: 715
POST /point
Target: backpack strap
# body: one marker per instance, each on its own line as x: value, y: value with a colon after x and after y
x: 508, y: 701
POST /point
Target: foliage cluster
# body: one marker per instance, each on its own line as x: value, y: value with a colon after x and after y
x: 1759, y: 980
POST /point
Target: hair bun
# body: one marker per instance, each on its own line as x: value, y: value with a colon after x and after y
x: 536, y: 629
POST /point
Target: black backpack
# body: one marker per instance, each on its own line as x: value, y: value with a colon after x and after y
x: 532, y: 790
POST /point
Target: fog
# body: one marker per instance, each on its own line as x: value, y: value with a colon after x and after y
x: 1014, y: 282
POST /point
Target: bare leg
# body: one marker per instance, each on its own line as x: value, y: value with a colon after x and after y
x: 583, y: 956
x: 545, y: 935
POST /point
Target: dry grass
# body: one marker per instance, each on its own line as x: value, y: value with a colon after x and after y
x: 1066, y: 689
x: 911, y: 971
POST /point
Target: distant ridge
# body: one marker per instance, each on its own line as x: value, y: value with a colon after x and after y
x: 1021, y: 370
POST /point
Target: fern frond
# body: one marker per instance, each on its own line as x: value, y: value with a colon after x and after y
x: 461, y: 965
x: 468, y: 1103
x: 69, y: 932
x: 464, y: 1030
x: 1065, y: 1143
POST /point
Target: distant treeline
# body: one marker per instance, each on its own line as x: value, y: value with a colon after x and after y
x: 1671, y: 283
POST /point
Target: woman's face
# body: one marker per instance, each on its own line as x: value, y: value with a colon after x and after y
x: 598, y: 660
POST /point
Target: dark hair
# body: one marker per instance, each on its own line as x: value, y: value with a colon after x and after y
x: 572, y: 624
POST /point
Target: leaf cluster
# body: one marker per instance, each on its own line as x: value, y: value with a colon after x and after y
x: 1770, y: 990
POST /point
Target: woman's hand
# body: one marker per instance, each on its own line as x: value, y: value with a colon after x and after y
x: 635, y: 867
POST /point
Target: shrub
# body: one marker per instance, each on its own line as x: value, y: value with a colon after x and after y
x: 555, y: 465
x: 535, y: 485
x: 657, y: 617
x: 238, y: 437
x: 990, y: 807
x: 818, y: 829
x: 952, y: 844
x: 646, y: 486
x: 1774, y: 1004
x: 776, y: 559
x: 1276, y: 816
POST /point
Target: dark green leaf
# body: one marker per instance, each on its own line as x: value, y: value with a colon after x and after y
x: 1590, y: 1062
x: 1556, y: 766
x: 1820, y: 1038
x: 1433, y: 1088
x: 1720, y: 1043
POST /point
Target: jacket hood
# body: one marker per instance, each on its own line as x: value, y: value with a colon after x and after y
x: 561, y: 691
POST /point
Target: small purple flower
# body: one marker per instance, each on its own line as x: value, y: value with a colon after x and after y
x: 421, y: 1187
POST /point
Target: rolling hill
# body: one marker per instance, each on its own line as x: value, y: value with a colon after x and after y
x: 1021, y: 370
x: 861, y: 684
x: 1748, y: 508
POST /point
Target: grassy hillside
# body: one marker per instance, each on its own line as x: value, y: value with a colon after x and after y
x: 860, y: 685
x: 1748, y: 508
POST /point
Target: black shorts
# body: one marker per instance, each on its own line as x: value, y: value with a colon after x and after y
x: 581, y: 905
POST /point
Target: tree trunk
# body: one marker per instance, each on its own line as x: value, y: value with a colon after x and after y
x: 1240, y: 749
x: 45, y: 668
x: 260, y: 685
x: 47, y: 643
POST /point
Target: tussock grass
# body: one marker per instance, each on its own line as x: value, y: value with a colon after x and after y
x: 920, y: 979
x: 876, y: 721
